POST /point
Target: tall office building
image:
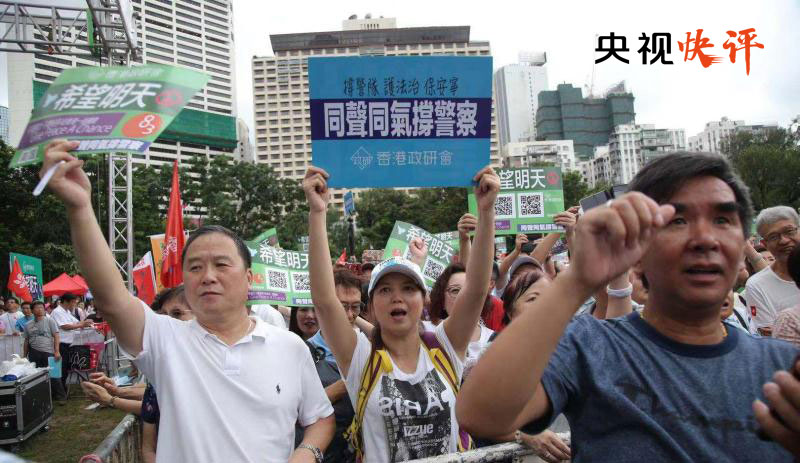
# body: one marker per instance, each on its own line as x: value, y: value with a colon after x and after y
x: 4, y: 123
x: 564, y: 114
x: 517, y: 88
x: 185, y: 33
x: 280, y: 82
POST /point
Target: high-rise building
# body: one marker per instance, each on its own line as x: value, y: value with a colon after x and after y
x: 564, y: 114
x: 517, y: 88
x: 560, y: 153
x: 711, y: 139
x: 4, y: 123
x: 596, y: 171
x: 632, y: 146
x: 280, y: 82
x: 185, y: 33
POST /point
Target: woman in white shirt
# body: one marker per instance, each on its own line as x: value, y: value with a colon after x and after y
x: 443, y: 297
x: 410, y: 411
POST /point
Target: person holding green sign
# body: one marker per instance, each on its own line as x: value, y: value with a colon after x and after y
x: 403, y: 384
x: 232, y: 386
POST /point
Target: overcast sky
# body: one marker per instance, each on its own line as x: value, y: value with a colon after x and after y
x: 683, y: 95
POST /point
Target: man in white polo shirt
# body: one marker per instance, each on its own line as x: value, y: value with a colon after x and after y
x: 232, y: 386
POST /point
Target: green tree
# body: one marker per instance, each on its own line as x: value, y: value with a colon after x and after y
x: 32, y: 225
x: 377, y: 211
x: 437, y: 209
x: 769, y: 163
x: 772, y: 173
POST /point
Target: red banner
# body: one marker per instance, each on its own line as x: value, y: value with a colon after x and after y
x: 171, y: 265
x: 17, y: 283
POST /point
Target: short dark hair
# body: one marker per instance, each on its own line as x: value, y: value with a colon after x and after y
x: 241, y: 247
x: 515, y: 288
x: 346, y: 279
x: 166, y: 295
x: 663, y: 177
x: 37, y: 302
x: 24, y: 303
x: 794, y: 265
x: 68, y: 297
x: 367, y: 266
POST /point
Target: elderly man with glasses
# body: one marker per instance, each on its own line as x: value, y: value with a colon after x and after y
x: 772, y: 290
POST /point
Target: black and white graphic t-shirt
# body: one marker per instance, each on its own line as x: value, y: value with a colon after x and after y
x: 408, y: 415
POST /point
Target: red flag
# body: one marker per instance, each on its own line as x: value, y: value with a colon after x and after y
x: 342, y: 258
x: 18, y: 284
x: 144, y: 280
x: 171, y: 268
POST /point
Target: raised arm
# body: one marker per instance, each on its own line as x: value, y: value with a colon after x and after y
x: 120, y: 308
x: 460, y: 325
x: 331, y: 315
x: 754, y: 257
x: 545, y: 245
x: 608, y: 241
x: 466, y: 224
x: 505, y: 265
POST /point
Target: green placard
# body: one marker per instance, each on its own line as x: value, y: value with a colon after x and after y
x: 440, y: 253
x: 32, y: 269
x: 121, y: 109
x: 270, y: 236
x: 279, y: 277
x: 527, y: 202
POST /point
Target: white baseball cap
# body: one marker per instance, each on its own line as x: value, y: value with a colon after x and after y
x: 397, y: 265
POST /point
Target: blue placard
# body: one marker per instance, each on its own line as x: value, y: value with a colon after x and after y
x: 349, y: 204
x: 401, y: 121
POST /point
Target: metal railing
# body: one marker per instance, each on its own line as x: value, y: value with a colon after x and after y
x: 122, y: 445
x: 494, y: 453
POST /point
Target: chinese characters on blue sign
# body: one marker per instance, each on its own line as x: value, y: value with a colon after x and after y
x: 401, y: 121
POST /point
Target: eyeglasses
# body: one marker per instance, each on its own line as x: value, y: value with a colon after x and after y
x: 787, y: 233
x: 453, y: 291
x: 354, y: 307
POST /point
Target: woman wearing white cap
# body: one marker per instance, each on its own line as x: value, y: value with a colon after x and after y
x: 403, y: 385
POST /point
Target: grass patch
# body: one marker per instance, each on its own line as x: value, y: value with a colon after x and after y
x: 74, y: 432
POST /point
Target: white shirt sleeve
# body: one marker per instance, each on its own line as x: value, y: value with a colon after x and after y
x: 754, y: 297
x: 270, y: 315
x: 62, y: 317
x: 157, y: 333
x: 455, y: 360
x: 315, y: 404
x: 357, y: 364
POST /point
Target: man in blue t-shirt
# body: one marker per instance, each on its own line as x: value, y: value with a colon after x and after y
x: 671, y: 384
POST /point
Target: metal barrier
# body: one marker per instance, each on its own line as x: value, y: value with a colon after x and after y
x: 123, y: 445
x: 494, y: 453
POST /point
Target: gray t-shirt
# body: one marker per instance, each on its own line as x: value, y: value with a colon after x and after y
x: 631, y: 394
x: 40, y: 334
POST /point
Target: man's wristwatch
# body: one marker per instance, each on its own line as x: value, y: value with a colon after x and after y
x: 518, y: 437
x: 317, y: 452
x: 111, y: 402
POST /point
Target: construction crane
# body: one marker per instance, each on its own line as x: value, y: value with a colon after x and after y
x: 90, y: 28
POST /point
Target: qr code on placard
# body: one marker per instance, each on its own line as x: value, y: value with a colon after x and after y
x: 300, y: 282
x: 504, y: 206
x: 277, y: 280
x: 432, y: 269
x: 531, y: 205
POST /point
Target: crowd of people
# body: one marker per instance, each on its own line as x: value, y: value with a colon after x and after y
x: 668, y: 335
